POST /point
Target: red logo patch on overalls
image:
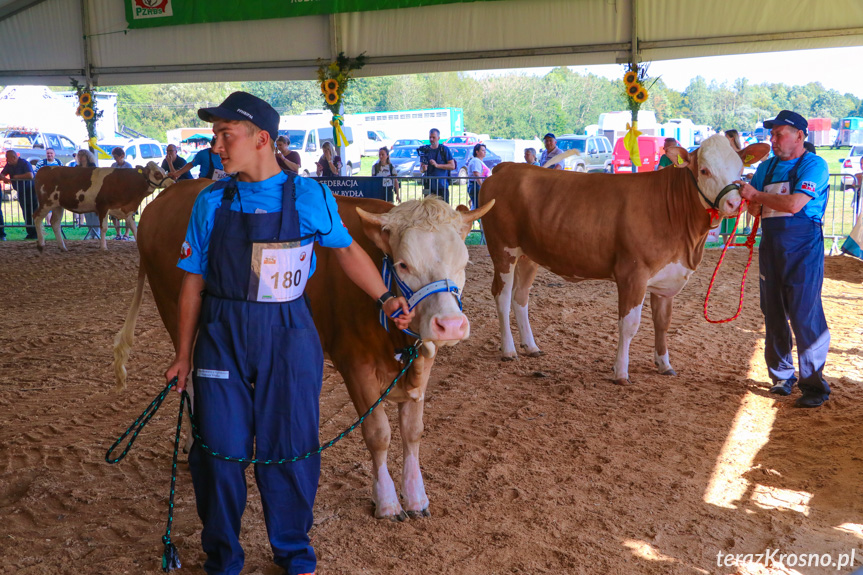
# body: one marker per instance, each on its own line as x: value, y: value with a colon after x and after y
x: 302, y: 256
x: 185, y: 250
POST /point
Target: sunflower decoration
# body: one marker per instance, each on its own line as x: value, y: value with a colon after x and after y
x: 87, y: 108
x: 630, y: 78
x: 85, y: 99
x: 634, y: 80
x: 335, y: 77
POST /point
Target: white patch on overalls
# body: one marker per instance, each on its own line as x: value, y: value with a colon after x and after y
x: 213, y: 373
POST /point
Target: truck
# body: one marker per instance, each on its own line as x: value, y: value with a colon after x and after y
x: 31, y: 143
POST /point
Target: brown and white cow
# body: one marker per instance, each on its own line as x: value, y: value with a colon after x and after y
x: 645, y: 232
x: 114, y: 191
x: 426, y: 240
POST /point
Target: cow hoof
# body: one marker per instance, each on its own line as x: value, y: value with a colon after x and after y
x: 622, y: 381
x: 40, y: 248
x: 668, y: 372
x: 419, y: 514
x: 537, y: 353
x: 508, y: 358
x: 400, y: 517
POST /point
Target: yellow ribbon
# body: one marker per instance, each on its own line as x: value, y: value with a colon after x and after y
x: 338, y: 133
x: 103, y: 155
x: 630, y: 142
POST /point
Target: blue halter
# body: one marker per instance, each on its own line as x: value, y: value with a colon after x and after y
x: 388, y: 273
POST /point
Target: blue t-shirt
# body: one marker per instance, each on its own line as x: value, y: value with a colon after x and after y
x: 204, y: 159
x: 812, y: 179
x: 22, y: 166
x: 441, y: 155
x: 315, y: 204
x: 43, y: 162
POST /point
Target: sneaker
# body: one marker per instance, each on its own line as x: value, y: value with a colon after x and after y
x: 120, y: 238
x: 811, y: 400
x: 782, y: 387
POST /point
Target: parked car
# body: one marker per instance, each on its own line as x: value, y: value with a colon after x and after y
x: 596, y: 153
x: 850, y: 164
x: 375, y: 140
x: 403, y: 155
x: 651, y: 149
x: 138, y: 152
x: 466, y: 140
x: 461, y: 154
x: 308, y: 132
x: 31, y: 145
x: 407, y: 142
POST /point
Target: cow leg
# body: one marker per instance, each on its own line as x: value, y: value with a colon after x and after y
x: 661, y: 308
x: 525, y: 272
x: 630, y: 295
x: 103, y: 220
x: 501, y: 287
x: 376, y: 432
x: 38, y: 218
x: 131, y: 225
x: 416, y: 502
x: 56, y: 222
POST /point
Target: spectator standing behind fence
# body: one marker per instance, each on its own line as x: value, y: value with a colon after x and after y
x: 19, y: 173
x: 50, y: 159
x: 665, y: 161
x: 174, y: 163
x: 329, y: 165
x: 530, y: 157
x: 477, y: 171
x: 86, y: 159
x: 795, y: 188
x: 289, y: 160
x: 436, y: 161
x: 119, y: 155
x: 734, y: 138
x: 551, y: 150
x: 384, y: 168
x: 209, y: 162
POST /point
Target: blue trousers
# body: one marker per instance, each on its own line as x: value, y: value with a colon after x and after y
x: 259, y: 393
x: 791, y: 258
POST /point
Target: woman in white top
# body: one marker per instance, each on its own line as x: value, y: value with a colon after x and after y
x: 383, y: 167
x: 477, y: 171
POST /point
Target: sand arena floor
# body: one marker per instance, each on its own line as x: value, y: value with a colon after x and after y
x: 535, y: 466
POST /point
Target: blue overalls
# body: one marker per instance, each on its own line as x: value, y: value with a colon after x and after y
x: 791, y: 258
x: 258, y: 370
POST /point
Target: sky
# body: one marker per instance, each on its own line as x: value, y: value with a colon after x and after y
x: 833, y: 67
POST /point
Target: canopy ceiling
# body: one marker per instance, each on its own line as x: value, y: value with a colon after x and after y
x: 46, y: 41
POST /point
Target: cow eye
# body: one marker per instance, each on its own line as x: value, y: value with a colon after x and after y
x: 403, y: 266
x: 705, y: 172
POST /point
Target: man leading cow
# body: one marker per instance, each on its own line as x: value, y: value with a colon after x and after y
x: 790, y: 193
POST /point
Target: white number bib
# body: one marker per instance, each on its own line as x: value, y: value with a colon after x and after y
x: 220, y: 174
x: 279, y: 271
x: 782, y: 189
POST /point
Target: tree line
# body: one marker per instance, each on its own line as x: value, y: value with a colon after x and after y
x: 512, y: 105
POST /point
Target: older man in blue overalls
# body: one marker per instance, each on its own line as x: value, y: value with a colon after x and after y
x: 792, y: 203
x: 258, y: 360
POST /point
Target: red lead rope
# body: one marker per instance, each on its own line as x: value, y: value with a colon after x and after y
x: 749, y: 243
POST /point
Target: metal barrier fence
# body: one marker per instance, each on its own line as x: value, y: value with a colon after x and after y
x: 843, y: 205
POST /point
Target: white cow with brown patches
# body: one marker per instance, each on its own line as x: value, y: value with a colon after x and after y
x: 645, y: 232
x: 106, y: 191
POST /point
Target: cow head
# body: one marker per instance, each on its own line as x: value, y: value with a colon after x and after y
x: 426, y: 241
x: 156, y: 176
x: 715, y: 166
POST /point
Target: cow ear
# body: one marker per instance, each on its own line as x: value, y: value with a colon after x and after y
x: 679, y: 156
x: 468, y: 218
x: 754, y: 153
x: 373, y: 228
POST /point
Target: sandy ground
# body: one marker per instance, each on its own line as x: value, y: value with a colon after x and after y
x: 535, y: 466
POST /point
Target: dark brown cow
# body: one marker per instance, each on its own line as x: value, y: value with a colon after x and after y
x: 114, y: 191
x: 645, y: 232
x: 426, y: 236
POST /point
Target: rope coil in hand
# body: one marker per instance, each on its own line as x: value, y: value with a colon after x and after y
x: 749, y: 243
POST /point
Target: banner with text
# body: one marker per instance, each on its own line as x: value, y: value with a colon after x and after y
x: 356, y: 187
x: 152, y: 13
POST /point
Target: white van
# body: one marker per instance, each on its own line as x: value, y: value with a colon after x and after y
x: 138, y: 152
x: 309, y: 131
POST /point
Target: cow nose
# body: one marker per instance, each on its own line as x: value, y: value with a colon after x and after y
x: 731, y: 204
x: 449, y: 328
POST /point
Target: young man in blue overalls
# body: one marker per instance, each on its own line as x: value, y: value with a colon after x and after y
x: 795, y: 187
x: 258, y: 360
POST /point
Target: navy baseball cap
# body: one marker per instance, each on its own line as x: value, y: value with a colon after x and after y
x: 244, y: 106
x: 549, y: 135
x: 788, y: 118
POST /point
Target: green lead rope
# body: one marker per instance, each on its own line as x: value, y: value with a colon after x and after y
x: 170, y: 556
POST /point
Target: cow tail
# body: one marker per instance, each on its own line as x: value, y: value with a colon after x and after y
x: 126, y: 336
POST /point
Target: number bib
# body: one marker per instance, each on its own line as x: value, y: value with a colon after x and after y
x: 782, y: 189
x: 279, y: 271
x: 220, y: 174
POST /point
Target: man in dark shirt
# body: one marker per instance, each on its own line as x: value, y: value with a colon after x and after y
x: 173, y: 162
x: 437, y: 162
x: 19, y: 173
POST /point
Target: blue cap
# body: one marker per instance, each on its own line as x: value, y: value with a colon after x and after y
x: 244, y: 106
x: 788, y: 118
x: 549, y: 135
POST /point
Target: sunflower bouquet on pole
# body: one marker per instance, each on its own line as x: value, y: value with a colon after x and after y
x: 334, y: 78
x: 636, y: 94
x: 90, y: 113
